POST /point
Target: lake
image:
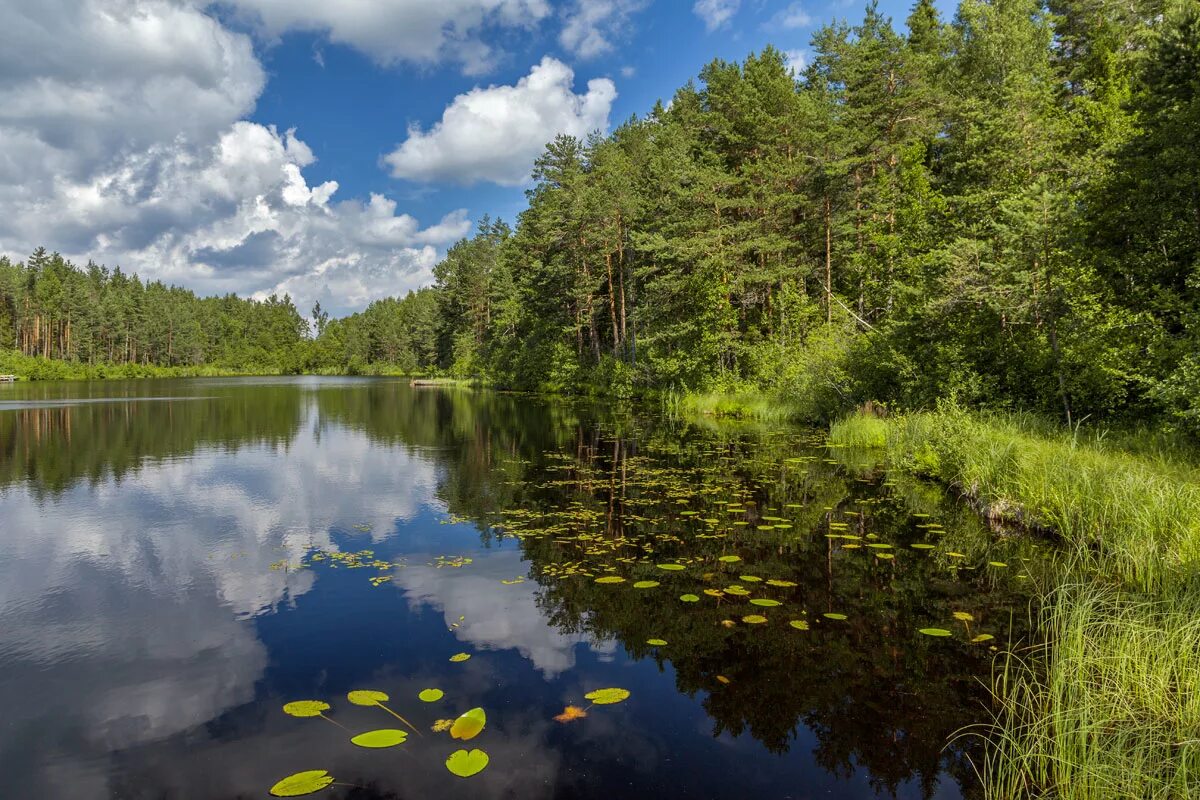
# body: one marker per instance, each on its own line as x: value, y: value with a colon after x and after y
x: 184, y: 558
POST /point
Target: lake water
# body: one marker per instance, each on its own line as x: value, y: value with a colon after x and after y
x: 183, y: 558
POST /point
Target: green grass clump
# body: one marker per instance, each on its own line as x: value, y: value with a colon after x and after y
x: 859, y: 430
x: 735, y: 405
x: 1109, y: 707
x: 1135, y: 517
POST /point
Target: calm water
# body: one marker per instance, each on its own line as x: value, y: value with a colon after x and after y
x: 181, y: 558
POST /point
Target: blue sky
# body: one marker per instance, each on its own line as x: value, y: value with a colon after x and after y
x: 330, y: 150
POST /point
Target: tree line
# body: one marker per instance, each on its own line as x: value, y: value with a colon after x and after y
x: 1003, y: 208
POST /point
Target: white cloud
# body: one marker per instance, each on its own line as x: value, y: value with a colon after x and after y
x: 795, y: 60
x: 124, y: 141
x: 790, y: 18
x: 494, y: 134
x: 716, y: 13
x: 589, y: 26
x: 420, y: 31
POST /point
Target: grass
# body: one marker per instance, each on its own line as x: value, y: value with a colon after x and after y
x: 37, y: 368
x: 1108, y: 704
x: 1108, y: 708
x: 748, y: 405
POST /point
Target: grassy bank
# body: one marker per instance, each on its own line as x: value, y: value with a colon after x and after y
x: 36, y: 368
x: 1107, y: 705
x: 747, y: 405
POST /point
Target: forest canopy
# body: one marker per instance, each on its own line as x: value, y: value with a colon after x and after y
x: 1003, y: 208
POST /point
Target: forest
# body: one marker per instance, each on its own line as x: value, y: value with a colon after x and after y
x: 1002, y: 209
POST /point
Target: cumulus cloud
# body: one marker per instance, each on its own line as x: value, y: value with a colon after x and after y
x: 790, y: 18
x: 590, y: 26
x: 124, y: 141
x: 716, y: 13
x: 494, y: 134
x: 418, y: 31
x: 795, y: 60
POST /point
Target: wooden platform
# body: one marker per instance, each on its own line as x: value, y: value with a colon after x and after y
x: 8, y: 378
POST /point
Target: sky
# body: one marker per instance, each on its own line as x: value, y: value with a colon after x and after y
x: 328, y: 150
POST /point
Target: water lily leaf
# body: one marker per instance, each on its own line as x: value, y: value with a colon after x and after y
x: 724, y: 680
x: 983, y: 637
x: 998, y: 564
x: 922, y: 546
x: 737, y: 591
x: 302, y: 783
x: 754, y: 619
x: 730, y: 559
x: 610, y: 579
x: 963, y: 616
x: 367, y: 697
x: 657, y: 642
x: 885, y: 556
x: 783, y: 584
x: 431, y: 695
x: 465, y: 764
x: 799, y: 624
x: 750, y: 578
x: 672, y: 567
x: 458, y: 658
x: 606, y: 697
x: 765, y: 603
x: 645, y: 584
x: 305, y: 708
x: 384, y: 737
x: 689, y: 598
x: 833, y: 615
x: 469, y: 725
x: 936, y: 632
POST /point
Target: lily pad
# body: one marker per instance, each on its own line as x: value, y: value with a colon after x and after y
x: 302, y: 783
x: 799, y: 624
x: 458, y: 658
x: 367, y: 697
x: 730, y: 559
x: 963, y: 616
x: 610, y: 579
x: 834, y: 615
x: 750, y: 578
x: 657, y: 642
x: 922, y: 546
x: 469, y: 725
x: 783, y: 584
x: 689, y: 598
x: 384, y: 737
x: 672, y: 567
x: 431, y: 695
x: 606, y: 697
x: 765, y: 603
x: 645, y: 584
x: 936, y: 632
x: 465, y: 764
x: 754, y: 619
x: 983, y: 637
x: 305, y: 708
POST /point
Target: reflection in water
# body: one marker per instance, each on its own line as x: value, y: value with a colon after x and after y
x: 148, y: 635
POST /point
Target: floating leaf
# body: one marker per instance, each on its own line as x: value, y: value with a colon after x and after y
x: 606, y: 697
x: 689, y: 598
x: 305, y: 708
x: 469, y: 725
x: 385, y: 737
x: 832, y: 615
x: 963, y: 616
x: 750, y: 578
x: 458, y: 658
x: 302, y: 783
x: 730, y: 559
x: 728, y: 623
x: 610, y: 579
x: 672, y: 567
x: 885, y: 556
x: 799, y: 624
x: 936, y: 632
x: 998, y: 564
x: 784, y: 584
x: 570, y: 714
x: 367, y: 697
x: 765, y: 603
x: 754, y: 619
x: 724, y: 680
x: 431, y: 695
x: 921, y: 546
x: 464, y: 764
x: 645, y: 584
x: 983, y: 637
x: 714, y: 593
x: 657, y: 642
x: 737, y: 591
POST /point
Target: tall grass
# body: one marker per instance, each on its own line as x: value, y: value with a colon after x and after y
x: 735, y: 405
x: 1108, y: 708
x: 1108, y: 704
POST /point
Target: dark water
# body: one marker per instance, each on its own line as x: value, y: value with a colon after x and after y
x: 180, y: 559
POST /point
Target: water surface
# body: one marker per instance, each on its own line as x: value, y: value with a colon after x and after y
x: 182, y: 558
